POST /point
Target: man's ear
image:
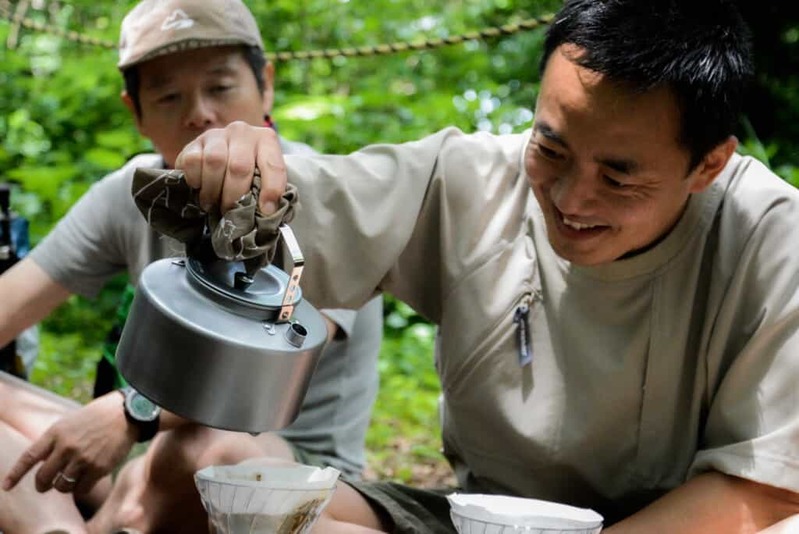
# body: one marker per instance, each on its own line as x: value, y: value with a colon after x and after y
x: 712, y: 164
x: 269, y: 87
x: 128, y: 101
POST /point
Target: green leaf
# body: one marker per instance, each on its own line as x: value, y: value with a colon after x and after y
x: 105, y: 158
x: 44, y: 181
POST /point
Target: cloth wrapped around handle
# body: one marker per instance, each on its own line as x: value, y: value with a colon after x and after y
x: 172, y: 208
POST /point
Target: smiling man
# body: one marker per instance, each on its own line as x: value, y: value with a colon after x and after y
x: 616, y: 290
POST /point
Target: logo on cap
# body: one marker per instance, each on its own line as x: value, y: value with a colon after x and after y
x: 178, y: 20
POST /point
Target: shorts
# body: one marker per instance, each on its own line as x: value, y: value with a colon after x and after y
x: 409, y: 510
x: 306, y: 457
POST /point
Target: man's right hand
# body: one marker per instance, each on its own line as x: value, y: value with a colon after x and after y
x: 79, y: 449
x: 220, y: 163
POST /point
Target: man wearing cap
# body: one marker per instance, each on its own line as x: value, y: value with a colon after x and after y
x: 189, y: 66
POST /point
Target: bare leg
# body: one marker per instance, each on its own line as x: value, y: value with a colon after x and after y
x: 156, y: 492
x: 786, y: 526
x: 23, y: 510
x: 327, y: 525
x: 348, y: 513
x: 31, y: 410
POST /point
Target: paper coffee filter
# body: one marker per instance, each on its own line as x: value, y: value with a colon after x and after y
x: 252, y: 498
x: 515, y: 514
x: 303, y: 477
x: 465, y: 525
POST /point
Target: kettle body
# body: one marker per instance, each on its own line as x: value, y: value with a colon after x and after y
x: 200, y: 345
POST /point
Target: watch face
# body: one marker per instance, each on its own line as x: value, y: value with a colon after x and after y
x: 141, y: 407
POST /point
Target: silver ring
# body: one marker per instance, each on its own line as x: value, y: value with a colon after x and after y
x: 65, y: 478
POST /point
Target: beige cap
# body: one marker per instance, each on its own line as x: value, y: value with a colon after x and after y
x: 157, y: 27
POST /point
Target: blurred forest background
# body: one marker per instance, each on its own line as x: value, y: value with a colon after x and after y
x: 62, y: 127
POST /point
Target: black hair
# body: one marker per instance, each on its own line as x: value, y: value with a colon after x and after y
x: 253, y: 55
x: 699, y: 49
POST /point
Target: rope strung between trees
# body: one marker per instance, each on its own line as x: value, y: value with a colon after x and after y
x: 426, y: 44
x: 18, y: 19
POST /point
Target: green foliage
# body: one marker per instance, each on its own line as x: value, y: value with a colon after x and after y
x: 406, y: 416
x: 401, y: 97
x: 753, y: 146
x: 773, y: 101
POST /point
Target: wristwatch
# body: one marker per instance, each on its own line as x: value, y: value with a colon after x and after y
x: 143, y: 413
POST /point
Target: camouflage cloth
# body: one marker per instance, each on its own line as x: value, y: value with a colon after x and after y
x: 172, y: 208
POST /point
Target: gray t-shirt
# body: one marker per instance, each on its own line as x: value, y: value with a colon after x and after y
x: 105, y: 234
x: 644, y: 372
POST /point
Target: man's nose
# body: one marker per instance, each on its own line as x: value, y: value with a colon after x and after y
x: 199, y: 113
x: 575, y: 191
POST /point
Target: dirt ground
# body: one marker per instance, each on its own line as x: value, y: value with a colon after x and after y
x: 403, y: 466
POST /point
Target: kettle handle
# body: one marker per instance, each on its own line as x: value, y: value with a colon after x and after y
x: 298, y: 261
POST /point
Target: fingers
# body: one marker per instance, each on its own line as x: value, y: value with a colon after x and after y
x: 190, y: 161
x: 65, y: 483
x: 33, y: 455
x: 221, y: 162
x: 52, y: 465
x: 79, y: 481
x: 86, y: 482
x: 240, y: 166
x: 269, y: 159
x: 54, y: 471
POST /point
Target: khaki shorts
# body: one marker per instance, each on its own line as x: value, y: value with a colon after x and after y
x: 408, y: 510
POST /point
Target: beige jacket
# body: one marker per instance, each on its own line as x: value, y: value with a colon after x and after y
x: 644, y: 371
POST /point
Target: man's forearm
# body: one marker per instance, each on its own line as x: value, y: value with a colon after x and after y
x: 29, y: 295
x: 713, y: 502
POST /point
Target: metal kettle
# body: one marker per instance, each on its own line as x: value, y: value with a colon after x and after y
x: 210, y: 343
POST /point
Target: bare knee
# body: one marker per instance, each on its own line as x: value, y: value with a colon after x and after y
x: 176, y: 453
x: 350, y: 507
x: 192, y: 447
x: 230, y: 448
x: 328, y: 525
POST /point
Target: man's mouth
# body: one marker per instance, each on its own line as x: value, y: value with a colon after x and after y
x: 578, y: 230
x: 578, y: 225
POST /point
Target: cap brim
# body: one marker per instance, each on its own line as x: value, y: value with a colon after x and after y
x: 182, y: 46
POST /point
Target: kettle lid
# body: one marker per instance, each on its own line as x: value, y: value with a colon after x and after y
x: 261, y: 296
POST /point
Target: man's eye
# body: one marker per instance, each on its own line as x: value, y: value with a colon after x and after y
x: 614, y: 183
x: 221, y: 88
x: 167, y: 98
x: 548, y: 152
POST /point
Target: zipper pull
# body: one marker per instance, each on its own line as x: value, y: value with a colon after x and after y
x: 525, y: 348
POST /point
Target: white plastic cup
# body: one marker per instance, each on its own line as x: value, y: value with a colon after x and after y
x: 498, y: 514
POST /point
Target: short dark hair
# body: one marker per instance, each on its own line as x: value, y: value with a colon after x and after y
x: 252, y: 54
x: 701, y: 50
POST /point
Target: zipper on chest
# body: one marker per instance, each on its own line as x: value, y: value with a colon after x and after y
x: 521, y: 319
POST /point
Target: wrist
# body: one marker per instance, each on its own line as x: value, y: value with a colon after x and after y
x: 142, y: 415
